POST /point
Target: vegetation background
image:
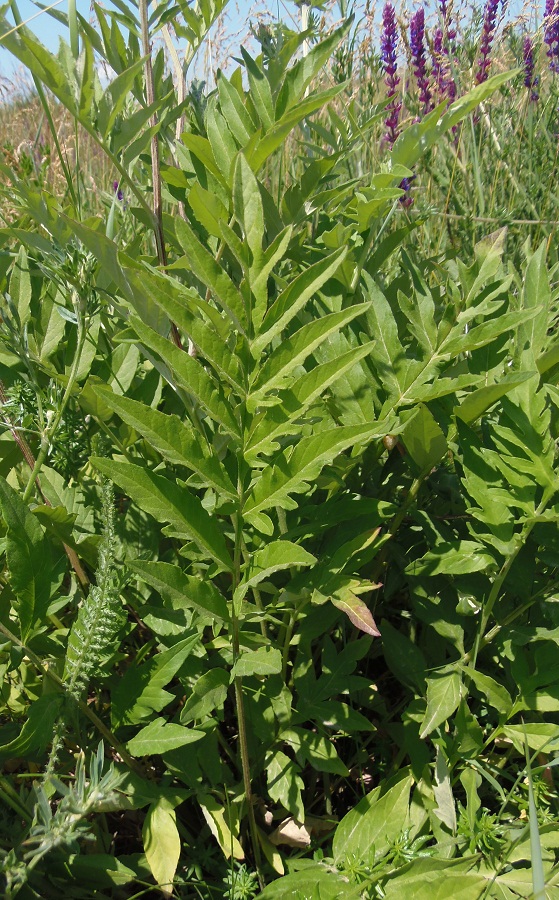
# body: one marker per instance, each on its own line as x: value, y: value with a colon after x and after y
x: 278, y: 473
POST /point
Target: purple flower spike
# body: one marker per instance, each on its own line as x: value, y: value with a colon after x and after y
x: 118, y: 192
x: 444, y: 82
x: 446, y: 19
x: 417, y: 47
x: 531, y: 80
x: 487, y: 35
x: 388, y: 45
x: 551, y: 33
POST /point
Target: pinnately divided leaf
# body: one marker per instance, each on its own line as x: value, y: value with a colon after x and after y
x: 160, y: 498
x: 293, y: 351
x: 294, y: 298
x: 293, y: 470
x: 176, y: 440
x: 191, y: 376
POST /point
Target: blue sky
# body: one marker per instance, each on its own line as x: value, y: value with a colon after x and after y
x: 48, y: 30
x: 238, y: 14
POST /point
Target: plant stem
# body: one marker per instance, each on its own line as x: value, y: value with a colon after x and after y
x: 497, y: 585
x: 397, y: 521
x: 238, y: 687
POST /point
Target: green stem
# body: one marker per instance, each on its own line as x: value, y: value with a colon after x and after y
x: 501, y: 578
x: 397, y: 521
x: 367, y: 246
x: 51, y: 429
x: 238, y: 687
x: 260, y: 607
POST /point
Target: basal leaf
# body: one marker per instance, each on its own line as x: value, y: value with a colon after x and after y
x: 285, y: 783
x: 162, y: 844
x: 223, y: 824
x: 541, y: 737
x: 435, y: 879
x: 376, y: 821
x: 445, y: 810
x: 315, y: 882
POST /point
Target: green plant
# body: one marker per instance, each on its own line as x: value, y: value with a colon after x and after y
x: 308, y: 425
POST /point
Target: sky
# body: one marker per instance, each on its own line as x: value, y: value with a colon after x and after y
x: 233, y: 31
x: 48, y: 29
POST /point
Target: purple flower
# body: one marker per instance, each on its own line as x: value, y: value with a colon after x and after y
x: 406, y: 200
x: 447, y: 27
x: 118, y: 192
x: 417, y: 48
x: 444, y: 81
x: 551, y: 33
x: 531, y: 80
x: 487, y: 35
x: 388, y: 45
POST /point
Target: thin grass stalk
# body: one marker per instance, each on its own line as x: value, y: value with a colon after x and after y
x: 45, y: 105
x: 538, y: 875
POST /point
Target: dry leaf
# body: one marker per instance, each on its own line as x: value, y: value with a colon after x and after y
x: 292, y: 833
